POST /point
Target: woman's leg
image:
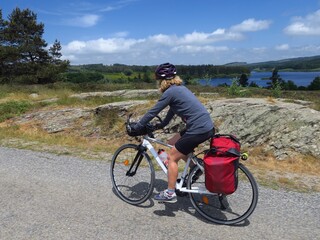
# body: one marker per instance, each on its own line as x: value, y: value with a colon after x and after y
x: 172, y: 141
x: 174, y: 157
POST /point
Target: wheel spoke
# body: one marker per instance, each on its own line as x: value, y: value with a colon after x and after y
x: 230, y: 209
x: 132, y: 174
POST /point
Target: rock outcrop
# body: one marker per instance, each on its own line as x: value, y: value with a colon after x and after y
x: 119, y: 93
x: 281, y: 127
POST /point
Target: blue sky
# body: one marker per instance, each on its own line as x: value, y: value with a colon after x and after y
x: 149, y: 32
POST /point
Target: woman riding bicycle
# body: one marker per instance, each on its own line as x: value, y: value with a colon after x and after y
x: 182, y: 102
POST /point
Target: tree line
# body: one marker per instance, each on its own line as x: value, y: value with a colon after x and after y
x: 129, y: 73
x: 278, y: 82
x: 24, y: 56
x: 295, y: 64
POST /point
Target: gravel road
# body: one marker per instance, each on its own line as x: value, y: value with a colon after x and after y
x: 45, y: 196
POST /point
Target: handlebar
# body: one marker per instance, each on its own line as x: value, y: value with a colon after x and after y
x: 146, y: 130
x: 130, y: 115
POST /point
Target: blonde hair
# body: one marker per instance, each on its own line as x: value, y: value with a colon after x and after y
x: 165, y: 84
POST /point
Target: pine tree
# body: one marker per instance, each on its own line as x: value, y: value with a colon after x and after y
x: 23, y: 50
x: 51, y: 72
x: 25, y: 34
x: 55, y: 52
x: 2, y: 27
x: 315, y: 84
x: 2, y: 48
x: 243, y: 81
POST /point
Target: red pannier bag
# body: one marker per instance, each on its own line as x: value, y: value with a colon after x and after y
x: 221, y: 164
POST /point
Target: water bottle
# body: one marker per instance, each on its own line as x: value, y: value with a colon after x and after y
x: 163, y: 156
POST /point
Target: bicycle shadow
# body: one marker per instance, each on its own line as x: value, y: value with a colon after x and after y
x: 183, y: 204
x: 147, y: 204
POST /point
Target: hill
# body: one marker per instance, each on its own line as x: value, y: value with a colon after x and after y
x: 293, y: 64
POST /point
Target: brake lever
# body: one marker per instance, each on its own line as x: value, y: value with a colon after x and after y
x: 167, y: 130
x: 128, y: 118
x: 159, y: 118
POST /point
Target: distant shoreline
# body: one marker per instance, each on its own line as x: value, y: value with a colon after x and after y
x: 261, y: 78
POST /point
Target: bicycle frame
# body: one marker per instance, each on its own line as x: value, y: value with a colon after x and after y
x: 147, y: 144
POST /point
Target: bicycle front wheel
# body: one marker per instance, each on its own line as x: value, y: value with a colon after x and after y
x: 225, y: 209
x: 132, y: 174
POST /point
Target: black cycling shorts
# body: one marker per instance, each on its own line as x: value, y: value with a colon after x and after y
x: 188, y: 142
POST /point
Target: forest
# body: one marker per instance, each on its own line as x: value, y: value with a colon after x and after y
x: 302, y: 64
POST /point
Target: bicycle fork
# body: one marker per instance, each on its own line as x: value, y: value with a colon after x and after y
x: 136, y: 162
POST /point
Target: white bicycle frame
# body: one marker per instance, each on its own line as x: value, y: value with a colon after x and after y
x: 147, y: 143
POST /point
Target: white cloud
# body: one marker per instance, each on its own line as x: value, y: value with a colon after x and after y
x: 205, y: 38
x: 198, y: 49
x: 310, y: 49
x: 117, y: 5
x: 259, y: 49
x: 112, y: 45
x: 163, y: 39
x: 309, y: 25
x: 251, y: 25
x: 195, y: 37
x: 108, y: 9
x: 87, y: 20
x: 282, y: 47
x: 191, y: 48
x: 75, y: 46
x: 101, y: 45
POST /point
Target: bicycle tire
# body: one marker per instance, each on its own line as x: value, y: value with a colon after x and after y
x: 133, y: 187
x: 226, y: 209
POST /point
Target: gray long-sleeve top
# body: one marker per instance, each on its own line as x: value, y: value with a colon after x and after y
x: 185, y: 104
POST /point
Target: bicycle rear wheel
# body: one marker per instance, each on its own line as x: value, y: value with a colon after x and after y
x: 132, y: 174
x: 226, y: 209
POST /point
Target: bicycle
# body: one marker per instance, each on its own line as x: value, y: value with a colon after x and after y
x: 133, y: 176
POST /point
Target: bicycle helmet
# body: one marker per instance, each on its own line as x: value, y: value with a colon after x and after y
x: 166, y: 71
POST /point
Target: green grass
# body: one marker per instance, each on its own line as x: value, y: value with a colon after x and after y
x: 13, y: 108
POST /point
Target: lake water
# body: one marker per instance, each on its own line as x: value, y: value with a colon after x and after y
x: 299, y: 78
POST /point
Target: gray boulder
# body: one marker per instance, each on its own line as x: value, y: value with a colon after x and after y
x: 282, y: 127
x: 119, y: 93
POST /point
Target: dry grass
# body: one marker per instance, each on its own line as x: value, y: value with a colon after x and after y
x: 271, y: 100
x: 300, y: 173
x: 34, y: 94
x: 32, y: 137
x: 300, y: 164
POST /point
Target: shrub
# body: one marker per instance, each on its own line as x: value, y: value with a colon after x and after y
x: 315, y: 84
x: 234, y: 89
x: 83, y: 77
x: 13, y: 108
x: 276, y: 89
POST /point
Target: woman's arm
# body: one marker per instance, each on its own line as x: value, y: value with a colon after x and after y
x: 163, y: 102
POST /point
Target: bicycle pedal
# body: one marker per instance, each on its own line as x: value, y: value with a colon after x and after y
x: 161, y: 202
x: 181, y: 194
